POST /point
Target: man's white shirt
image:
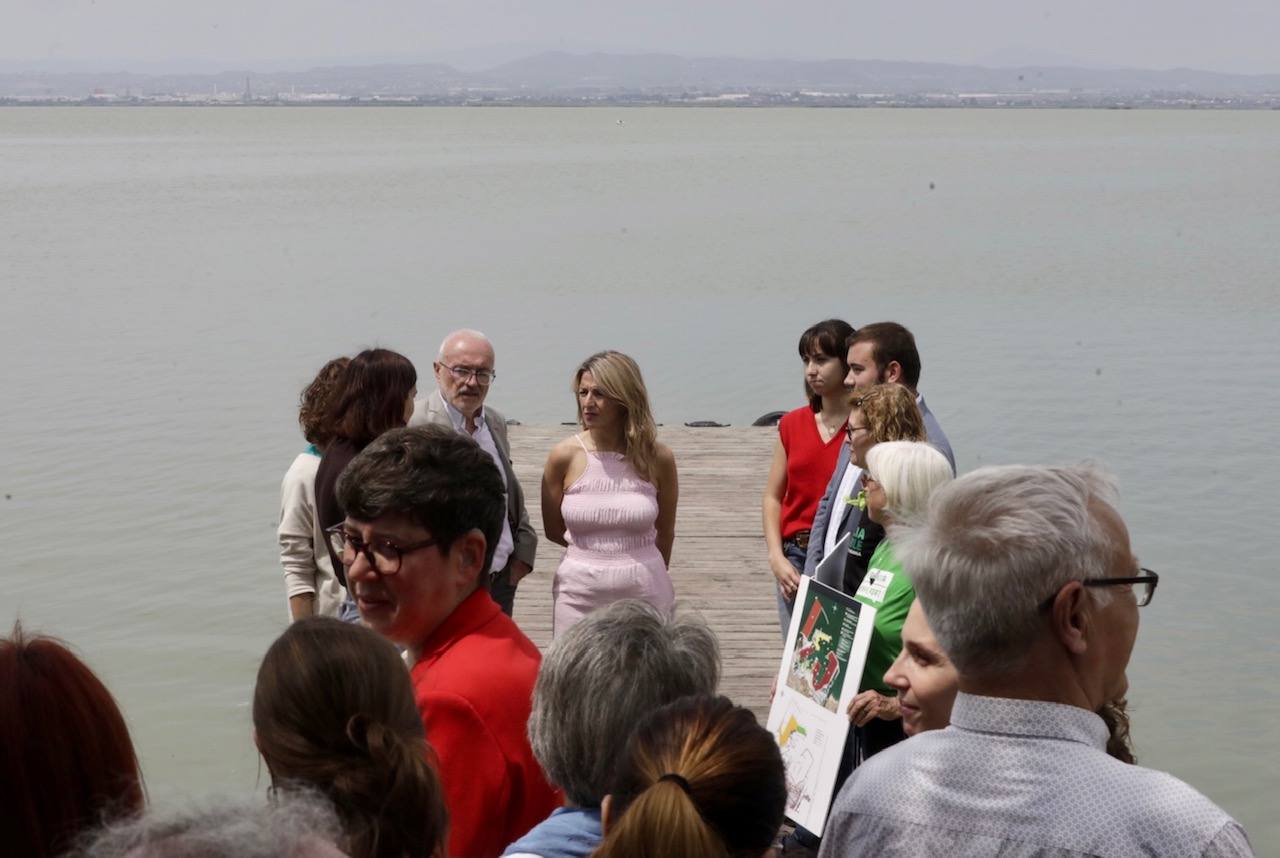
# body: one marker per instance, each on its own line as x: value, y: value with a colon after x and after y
x: 483, y: 437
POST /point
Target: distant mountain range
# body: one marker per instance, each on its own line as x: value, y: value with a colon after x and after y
x: 558, y: 73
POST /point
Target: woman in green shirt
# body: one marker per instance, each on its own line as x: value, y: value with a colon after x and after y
x: 900, y: 477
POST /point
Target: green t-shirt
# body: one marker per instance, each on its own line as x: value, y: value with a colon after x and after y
x: 886, y: 589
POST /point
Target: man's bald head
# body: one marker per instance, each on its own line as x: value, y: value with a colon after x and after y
x: 464, y: 338
x: 464, y: 368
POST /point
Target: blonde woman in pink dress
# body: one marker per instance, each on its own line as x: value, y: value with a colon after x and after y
x: 609, y: 496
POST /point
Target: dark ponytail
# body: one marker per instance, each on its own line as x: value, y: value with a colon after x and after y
x: 681, y: 830
x: 700, y: 779
x: 334, y: 712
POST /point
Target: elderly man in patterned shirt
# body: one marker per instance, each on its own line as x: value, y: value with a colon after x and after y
x: 1029, y: 582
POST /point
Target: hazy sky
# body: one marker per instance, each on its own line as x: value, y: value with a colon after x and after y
x: 153, y: 35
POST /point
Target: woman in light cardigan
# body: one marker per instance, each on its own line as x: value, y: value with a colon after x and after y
x: 310, y: 585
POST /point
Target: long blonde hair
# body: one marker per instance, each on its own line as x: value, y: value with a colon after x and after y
x: 619, y: 377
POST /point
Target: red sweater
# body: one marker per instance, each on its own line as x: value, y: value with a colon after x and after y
x: 474, y: 688
x: 810, y: 463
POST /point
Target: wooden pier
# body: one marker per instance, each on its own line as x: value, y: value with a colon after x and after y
x: 719, y: 565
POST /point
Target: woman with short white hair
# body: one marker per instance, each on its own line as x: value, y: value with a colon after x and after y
x: 900, y: 477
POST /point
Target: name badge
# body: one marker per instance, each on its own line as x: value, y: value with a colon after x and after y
x: 875, y: 585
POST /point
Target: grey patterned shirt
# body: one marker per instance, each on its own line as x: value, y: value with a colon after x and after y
x: 1020, y: 778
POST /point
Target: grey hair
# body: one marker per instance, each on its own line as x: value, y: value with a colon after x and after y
x: 463, y: 332
x: 909, y: 472
x: 601, y: 677
x: 293, y: 826
x: 995, y: 544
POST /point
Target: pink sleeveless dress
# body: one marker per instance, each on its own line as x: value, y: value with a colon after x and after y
x: 609, y: 516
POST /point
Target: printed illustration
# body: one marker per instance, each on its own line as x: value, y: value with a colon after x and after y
x: 822, y: 649
x: 818, y: 674
x: 802, y: 746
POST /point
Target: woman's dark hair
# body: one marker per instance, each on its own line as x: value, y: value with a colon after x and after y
x: 440, y: 478
x: 333, y: 711
x: 825, y: 338
x: 1119, y: 744
x: 66, y: 760
x: 371, y: 398
x: 313, y: 404
x: 700, y: 779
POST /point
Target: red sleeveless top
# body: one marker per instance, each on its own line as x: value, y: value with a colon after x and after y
x: 810, y: 463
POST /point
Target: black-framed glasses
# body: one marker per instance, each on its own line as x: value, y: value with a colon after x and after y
x: 382, y: 554
x: 849, y: 430
x: 483, y: 377
x: 1144, y: 586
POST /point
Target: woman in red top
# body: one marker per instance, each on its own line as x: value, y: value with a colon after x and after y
x: 809, y: 440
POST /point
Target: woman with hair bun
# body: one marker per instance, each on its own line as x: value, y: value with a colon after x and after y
x: 609, y: 495
x: 700, y: 779
x: 375, y: 393
x: 310, y: 584
x: 333, y: 712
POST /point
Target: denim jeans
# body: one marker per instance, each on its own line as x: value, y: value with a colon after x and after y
x: 795, y: 554
x: 348, y: 612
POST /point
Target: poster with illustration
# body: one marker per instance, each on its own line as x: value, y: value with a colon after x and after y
x: 826, y: 651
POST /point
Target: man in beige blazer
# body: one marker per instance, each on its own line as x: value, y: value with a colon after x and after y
x: 464, y: 371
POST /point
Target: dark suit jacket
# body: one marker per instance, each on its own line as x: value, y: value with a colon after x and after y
x: 431, y: 409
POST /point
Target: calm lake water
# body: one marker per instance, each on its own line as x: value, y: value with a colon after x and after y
x: 1095, y: 284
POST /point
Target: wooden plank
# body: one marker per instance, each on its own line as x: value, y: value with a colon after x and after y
x: 719, y: 566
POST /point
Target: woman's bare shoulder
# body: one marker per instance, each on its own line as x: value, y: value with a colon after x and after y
x: 563, y: 452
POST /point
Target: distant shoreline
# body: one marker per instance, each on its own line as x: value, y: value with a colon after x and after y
x: 654, y: 79
x: 1009, y: 101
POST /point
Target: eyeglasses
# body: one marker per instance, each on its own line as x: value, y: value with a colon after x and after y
x: 1144, y: 587
x: 849, y: 430
x: 382, y: 555
x: 483, y: 377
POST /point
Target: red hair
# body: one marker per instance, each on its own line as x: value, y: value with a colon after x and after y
x: 65, y: 758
